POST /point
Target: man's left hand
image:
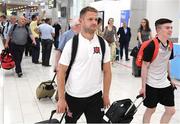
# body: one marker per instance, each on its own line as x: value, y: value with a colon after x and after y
x: 106, y: 101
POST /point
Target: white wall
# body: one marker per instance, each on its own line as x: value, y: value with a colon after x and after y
x: 164, y: 9
x: 112, y: 9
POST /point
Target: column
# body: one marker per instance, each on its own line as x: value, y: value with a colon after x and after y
x: 138, y: 11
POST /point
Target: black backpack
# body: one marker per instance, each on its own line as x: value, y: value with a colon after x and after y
x: 74, y: 51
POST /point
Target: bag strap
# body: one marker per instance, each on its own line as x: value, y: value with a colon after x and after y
x: 171, y: 44
x: 103, y: 49
x: 7, y: 26
x: 4, y: 53
x: 74, y: 51
x: 75, y: 42
x: 14, y: 27
x: 26, y: 27
x: 156, y: 43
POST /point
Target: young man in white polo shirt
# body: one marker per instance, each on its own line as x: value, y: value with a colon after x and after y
x: 155, y: 85
x: 86, y: 79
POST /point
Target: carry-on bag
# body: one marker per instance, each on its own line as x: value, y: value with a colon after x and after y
x: 46, y: 89
x: 122, y: 111
x: 52, y: 120
x: 6, y: 59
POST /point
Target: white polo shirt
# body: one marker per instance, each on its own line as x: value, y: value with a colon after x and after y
x: 85, y: 77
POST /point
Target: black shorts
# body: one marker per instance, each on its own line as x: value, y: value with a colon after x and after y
x: 164, y: 96
x: 92, y: 107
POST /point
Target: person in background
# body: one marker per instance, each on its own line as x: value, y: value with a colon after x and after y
x: 17, y: 37
x: 35, y: 48
x: 144, y: 31
x: 124, y: 39
x: 87, y: 88
x: 111, y: 37
x: 65, y: 37
x: 3, y: 21
x: 156, y: 88
x: 8, y: 26
x: 57, y: 28
x: 47, y: 33
x: 28, y: 47
x: 99, y: 27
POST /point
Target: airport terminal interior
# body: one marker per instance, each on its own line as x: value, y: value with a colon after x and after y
x: 18, y: 101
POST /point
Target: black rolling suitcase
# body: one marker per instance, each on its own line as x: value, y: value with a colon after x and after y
x: 51, y: 120
x: 136, y: 71
x: 121, y: 111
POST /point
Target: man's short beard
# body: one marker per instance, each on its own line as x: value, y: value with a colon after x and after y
x: 89, y: 31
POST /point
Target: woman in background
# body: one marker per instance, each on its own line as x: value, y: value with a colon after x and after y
x: 144, y: 31
x: 110, y: 36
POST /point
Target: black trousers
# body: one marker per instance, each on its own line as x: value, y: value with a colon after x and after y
x: 36, y: 51
x: 17, y: 52
x: 92, y: 107
x: 46, y: 51
x: 122, y: 46
x: 28, y: 47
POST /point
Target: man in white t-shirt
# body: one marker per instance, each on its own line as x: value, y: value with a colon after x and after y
x: 87, y: 87
x: 156, y: 87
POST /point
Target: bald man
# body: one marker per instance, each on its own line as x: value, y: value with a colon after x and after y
x: 66, y: 36
x: 19, y: 34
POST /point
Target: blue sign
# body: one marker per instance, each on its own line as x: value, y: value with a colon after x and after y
x: 125, y: 15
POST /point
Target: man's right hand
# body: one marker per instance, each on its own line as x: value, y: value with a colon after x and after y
x: 143, y: 92
x: 62, y: 106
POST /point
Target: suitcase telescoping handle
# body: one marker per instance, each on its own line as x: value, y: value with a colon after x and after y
x: 137, y: 97
x: 53, y: 112
x: 53, y: 79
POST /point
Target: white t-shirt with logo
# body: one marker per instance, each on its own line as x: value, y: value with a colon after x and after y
x: 86, y: 76
x: 158, y: 69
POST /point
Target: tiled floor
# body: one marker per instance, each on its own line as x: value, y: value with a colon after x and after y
x: 19, y: 104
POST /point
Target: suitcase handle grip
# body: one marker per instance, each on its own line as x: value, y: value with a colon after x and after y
x: 53, y: 112
x: 139, y: 96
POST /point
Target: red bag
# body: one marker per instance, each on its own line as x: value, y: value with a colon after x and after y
x: 144, y: 45
x: 6, y: 60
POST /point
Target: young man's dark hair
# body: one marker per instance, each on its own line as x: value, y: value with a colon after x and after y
x: 86, y: 9
x: 33, y: 17
x: 162, y: 21
x: 47, y: 20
